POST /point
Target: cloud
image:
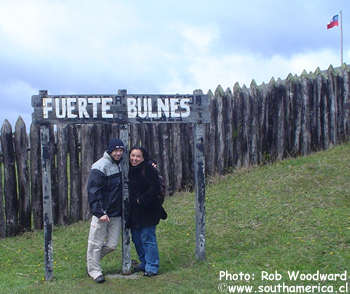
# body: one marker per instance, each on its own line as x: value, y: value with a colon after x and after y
x: 17, y: 95
x: 211, y: 71
x: 83, y: 47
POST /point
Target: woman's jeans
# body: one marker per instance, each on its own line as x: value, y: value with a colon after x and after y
x: 145, y: 241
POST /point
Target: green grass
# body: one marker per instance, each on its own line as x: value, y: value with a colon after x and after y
x: 290, y: 215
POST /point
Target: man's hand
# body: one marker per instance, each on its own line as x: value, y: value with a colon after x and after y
x: 104, y: 218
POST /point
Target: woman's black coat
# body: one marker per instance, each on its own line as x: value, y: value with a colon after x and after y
x: 144, y: 188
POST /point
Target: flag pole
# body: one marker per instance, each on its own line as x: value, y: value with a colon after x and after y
x: 341, y: 38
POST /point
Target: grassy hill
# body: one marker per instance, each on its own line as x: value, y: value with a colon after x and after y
x: 289, y: 216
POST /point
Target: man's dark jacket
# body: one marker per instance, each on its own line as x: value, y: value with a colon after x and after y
x: 105, y: 187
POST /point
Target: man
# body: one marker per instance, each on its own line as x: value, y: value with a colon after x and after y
x: 105, y: 200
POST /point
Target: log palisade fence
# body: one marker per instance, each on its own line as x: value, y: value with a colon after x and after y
x: 251, y: 126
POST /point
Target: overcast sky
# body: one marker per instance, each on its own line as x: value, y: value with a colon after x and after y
x: 159, y: 46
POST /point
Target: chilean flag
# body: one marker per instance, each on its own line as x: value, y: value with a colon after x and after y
x: 333, y: 23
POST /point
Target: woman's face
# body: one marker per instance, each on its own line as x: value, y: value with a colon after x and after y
x: 136, y: 157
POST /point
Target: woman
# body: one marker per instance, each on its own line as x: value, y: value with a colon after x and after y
x: 145, y: 210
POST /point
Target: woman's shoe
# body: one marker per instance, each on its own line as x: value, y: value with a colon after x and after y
x: 149, y: 274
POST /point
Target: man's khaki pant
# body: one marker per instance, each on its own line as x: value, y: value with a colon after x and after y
x: 103, y: 239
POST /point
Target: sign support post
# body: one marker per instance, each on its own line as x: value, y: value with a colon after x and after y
x: 199, y: 177
x: 47, y: 197
x: 124, y: 136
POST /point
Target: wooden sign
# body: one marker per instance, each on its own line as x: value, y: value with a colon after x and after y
x: 123, y: 109
x: 120, y: 109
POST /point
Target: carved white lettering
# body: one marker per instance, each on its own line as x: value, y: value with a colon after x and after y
x: 184, y: 104
x: 82, y: 103
x: 174, y: 106
x: 106, y: 107
x: 132, y: 110
x: 71, y: 107
x: 163, y: 107
x: 94, y: 102
x: 61, y: 111
x: 47, y: 106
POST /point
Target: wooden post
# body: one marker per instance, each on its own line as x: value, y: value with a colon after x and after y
x: 10, y: 185
x: 88, y: 136
x: 124, y: 136
x: 62, y: 148
x: 2, y: 215
x: 47, y: 200
x: 199, y: 176
x: 35, y: 175
x: 21, y: 145
x: 47, y: 196
x: 75, y: 175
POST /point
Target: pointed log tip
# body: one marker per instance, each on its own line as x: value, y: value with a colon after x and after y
x: 290, y: 77
x: 228, y: 92
x: 330, y: 68
x: 219, y: 91
x: 304, y: 73
x: 318, y: 71
x: 6, y: 126
x: 272, y: 81
x: 236, y: 86
x: 253, y: 84
x: 19, y: 121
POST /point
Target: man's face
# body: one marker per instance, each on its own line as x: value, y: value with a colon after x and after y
x: 117, y: 154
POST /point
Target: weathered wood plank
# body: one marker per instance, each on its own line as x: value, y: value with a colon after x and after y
x: 220, y: 142
x: 155, y: 146
x: 255, y: 103
x: 199, y: 171
x: 75, y: 175
x: 237, y: 125
x: 332, y: 102
x: 228, y: 128
x: 347, y: 102
x: 21, y: 146
x: 87, y: 156
x: 316, y: 113
x: 165, y: 149
x: 211, y: 146
x: 177, y: 162
x: 35, y: 176
x: 245, y: 131
x: 305, y: 116
x: 47, y: 201
x: 253, y: 151
x: 324, y: 113
x: 10, y: 186
x: 297, y: 110
x: 2, y: 213
x: 340, y: 106
x: 54, y: 173
x: 126, y: 262
x: 62, y: 149
x: 279, y: 127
